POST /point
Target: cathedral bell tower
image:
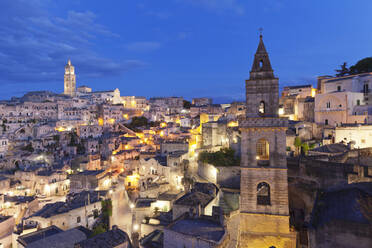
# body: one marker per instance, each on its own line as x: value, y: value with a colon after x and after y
x: 264, y: 220
x: 69, y: 80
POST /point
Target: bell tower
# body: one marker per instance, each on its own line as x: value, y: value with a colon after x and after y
x: 69, y: 80
x: 264, y: 212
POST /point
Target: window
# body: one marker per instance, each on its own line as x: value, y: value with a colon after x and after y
x: 328, y: 104
x: 365, y: 89
x: 339, y: 88
x: 261, y: 64
x: 262, y: 152
x: 358, y: 102
x: 263, y: 194
x: 326, y: 121
x: 78, y: 219
x: 261, y: 108
x: 363, y: 141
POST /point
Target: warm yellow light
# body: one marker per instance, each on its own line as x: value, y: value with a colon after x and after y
x: 163, y: 124
x: 313, y: 92
x: 100, y: 121
x: 135, y: 227
x: 106, y: 182
x: 257, y: 157
x: 60, y: 129
x: 281, y: 111
x: 131, y: 205
x: 112, y: 121
x: 161, y: 133
x: 126, y: 116
x: 233, y: 124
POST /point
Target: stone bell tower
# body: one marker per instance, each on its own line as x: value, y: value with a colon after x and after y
x: 69, y: 80
x: 264, y: 213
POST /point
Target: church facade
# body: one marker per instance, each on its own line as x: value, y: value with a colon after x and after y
x: 264, y: 211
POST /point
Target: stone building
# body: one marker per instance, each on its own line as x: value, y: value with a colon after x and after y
x: 80, y: 209
x: 70, y: 79
x: 200, y: 231
x: 336, y: 108
x: 360, y: 134
x: 4, y: 144
x: 264, y: 211
x: 202, y: 101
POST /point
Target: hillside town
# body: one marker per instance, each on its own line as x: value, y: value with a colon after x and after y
x: 288, y: 167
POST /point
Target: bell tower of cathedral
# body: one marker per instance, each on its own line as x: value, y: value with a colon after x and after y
x: 69, y: 80
x: 264, y: 213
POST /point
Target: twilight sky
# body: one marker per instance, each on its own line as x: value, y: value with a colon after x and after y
x: 190, y: 48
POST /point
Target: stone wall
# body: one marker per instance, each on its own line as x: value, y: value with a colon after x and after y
x: 276, y: 178
x: 260, y: 230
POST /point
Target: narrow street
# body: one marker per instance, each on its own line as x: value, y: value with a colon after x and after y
x: 121, y: 213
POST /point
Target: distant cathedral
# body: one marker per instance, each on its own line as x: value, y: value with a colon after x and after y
x: 70, y: 80
x: 264, y: 211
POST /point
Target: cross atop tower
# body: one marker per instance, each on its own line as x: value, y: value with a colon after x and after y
x: 260, y: 29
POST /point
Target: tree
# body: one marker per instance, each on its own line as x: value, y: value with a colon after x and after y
x: 305, y: 148
x: 100, y: 228
x: 186, y: 104
x: 342, y: 71
x: 28, y: 148
x: 363, y: 65
x: 297, y: 144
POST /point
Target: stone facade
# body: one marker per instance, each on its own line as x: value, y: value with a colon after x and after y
x: 264, y: 211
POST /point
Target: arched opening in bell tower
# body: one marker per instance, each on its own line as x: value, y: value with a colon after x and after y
x: 262, y: 152
x: 261, y: 108
x: 260, y: 64
x: 263, y: 194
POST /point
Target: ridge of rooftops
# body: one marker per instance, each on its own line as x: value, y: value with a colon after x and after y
x: 347, y: 77
x: 73, y: 201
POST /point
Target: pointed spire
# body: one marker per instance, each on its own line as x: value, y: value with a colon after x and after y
x: 261, y: 67
x: 261, y: 47
x: 69, y: 62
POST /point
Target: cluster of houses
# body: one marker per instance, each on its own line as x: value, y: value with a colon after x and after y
x: 63, y: 156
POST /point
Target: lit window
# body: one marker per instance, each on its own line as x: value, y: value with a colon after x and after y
x: 261, y: 108
x: 262, y: 150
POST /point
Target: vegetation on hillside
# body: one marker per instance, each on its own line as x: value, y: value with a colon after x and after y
x: 224, y: 157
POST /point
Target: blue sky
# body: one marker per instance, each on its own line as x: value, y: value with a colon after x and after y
x: 190, y: 48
